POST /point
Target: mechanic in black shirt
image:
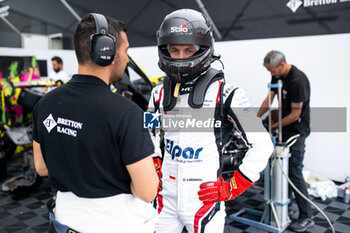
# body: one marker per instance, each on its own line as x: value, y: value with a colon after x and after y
x: 91, y: 142
x: 295, y: 120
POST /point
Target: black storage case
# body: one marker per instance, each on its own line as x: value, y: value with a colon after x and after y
x: 28, y: 98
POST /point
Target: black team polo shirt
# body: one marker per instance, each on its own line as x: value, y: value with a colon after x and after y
x: 296, y: 88
x: 87, y: 135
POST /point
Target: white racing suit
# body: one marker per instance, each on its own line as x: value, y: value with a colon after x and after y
x: 191, y: 156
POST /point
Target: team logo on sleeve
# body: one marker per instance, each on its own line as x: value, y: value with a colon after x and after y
x: 49, y: 123
x: 151, y: 120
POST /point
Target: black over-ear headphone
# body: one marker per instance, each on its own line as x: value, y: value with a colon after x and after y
x: 102, y: 44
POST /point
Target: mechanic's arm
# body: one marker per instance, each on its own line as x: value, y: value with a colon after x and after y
x: 293, y: 116
x: 39, y: 162
x: 144, y: 179
x: 44, y: 90
x: 265, y: 104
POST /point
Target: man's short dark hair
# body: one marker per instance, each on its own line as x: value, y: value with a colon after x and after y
x: 57, y: 59
x: 86, y: 28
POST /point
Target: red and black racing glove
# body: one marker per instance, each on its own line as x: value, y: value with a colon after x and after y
x: 158, y: 165
x: 211, y: 192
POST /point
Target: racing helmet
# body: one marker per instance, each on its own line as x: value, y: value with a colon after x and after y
x: 185, y: 26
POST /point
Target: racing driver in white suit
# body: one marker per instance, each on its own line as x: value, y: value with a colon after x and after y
x: 199, y: 114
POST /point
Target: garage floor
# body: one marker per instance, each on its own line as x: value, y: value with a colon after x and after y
x: 28, y: 213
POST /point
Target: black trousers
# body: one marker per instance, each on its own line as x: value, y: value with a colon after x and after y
x: 295, y: 173
x: 52, y: 228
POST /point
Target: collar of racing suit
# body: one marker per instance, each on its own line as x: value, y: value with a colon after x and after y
x: 197, y: 89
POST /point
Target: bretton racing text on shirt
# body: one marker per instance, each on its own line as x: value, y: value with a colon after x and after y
x: 64, y: 126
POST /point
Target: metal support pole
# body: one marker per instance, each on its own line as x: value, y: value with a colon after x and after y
x: 11, y: 25
x: 269, y: 110
x: 279, y: 111
x: 71, y: 10
x: 202, y: 7
x: 3, y: 13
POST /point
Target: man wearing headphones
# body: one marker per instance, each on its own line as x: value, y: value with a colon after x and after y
x: 199, y: 116
x: 90, y: 141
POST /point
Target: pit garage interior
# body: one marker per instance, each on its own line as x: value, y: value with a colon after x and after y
x: 313, y: 34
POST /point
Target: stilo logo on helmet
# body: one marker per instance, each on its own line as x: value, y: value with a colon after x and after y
x: 181, y: 28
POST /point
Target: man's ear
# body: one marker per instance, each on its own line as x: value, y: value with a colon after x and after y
x: 115, y: 56
x: 283, y: 64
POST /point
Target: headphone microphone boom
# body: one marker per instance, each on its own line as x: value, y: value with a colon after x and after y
x: 102, y: 44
